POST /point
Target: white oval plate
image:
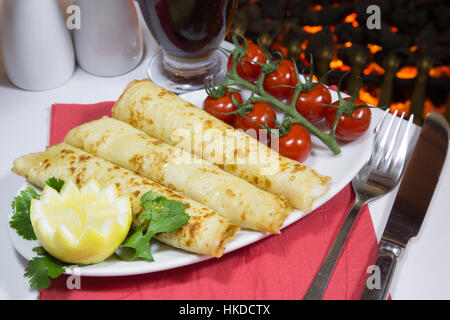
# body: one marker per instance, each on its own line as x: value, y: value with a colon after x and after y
x: 341, y: 168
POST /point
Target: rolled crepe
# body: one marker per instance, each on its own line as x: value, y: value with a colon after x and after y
x: 205, y: 233
x: 175, y: 121
x: 198, y: 179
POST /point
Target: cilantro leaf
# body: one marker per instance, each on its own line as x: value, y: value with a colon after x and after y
x: 40, y: 251
x: 163, y: 215
x: 41, y: 268
x: 167, y: 218
x: 140, y: 242
x: 55, y: 183
x: 20, y: 220
x: 149, y: 197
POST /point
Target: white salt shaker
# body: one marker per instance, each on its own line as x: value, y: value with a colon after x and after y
x: 109, y: 41
x: 36, y: 47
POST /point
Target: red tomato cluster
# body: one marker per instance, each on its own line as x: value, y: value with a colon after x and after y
x: 280, y: 82
x: 310, y: 104
x: 349, y: 128
x: 222, y: 107
x: 247, y: 69
x: 261, y: 115
x: 296, y: 144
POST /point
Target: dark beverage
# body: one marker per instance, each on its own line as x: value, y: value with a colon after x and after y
x: 188, y: 29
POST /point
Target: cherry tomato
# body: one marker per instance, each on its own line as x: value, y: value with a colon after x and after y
x: 309, y: 104
x: 218, y: 106
x: 349, y: 129
x: 283, y: 76
x: 296, y: 144
x: 248, y: 70
x: 261, y: 113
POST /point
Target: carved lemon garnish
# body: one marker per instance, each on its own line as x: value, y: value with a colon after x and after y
x: 81, y: 226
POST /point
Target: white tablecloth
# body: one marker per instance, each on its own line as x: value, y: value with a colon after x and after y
x: 423, y: 272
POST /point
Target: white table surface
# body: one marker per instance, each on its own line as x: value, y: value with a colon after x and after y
x: 422, y: 273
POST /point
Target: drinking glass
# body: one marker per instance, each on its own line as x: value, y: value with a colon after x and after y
x: 189, y: 33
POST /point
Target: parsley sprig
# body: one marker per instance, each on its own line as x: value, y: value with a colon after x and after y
x: 20, y: 221
x: 160, y: 215
x: 43, y: 267
x: 55, y: 183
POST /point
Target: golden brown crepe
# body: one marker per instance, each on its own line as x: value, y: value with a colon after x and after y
x: 166, y: 116
x: 205, y: 233
x: 228, y: 195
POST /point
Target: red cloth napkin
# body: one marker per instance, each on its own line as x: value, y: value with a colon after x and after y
x: 277, y: 267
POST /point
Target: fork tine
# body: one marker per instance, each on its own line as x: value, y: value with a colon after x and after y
x: 386, y: 135
x: 380, y: 123
x: 398, y: 163
x: 377, y: 137
x: 387, y: 157
x: 378, y: 156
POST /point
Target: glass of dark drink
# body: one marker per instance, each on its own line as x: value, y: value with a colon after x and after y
x: 189, y: 33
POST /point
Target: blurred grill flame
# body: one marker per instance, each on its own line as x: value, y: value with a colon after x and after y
x: 407, y: 72
x: 312, y: 29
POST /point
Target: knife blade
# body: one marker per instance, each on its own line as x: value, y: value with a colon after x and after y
x: 411, y: 203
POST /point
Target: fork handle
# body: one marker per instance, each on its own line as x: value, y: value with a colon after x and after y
x: 317, y: 288
x: 377, y: 285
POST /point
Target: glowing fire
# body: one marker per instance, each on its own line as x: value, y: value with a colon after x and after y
x: 438, y: 72
x: 304, y: 44
x: 407, y: 72
x: 312, y: 29
x: 406, y: 107
x: 368, y: 98
x: 351, y: 18
x: 429, y: 106
x: 394, y: 29
x: 414, y: 48
x: 373, y: 68
x: 335, y: 63
x: 368, y: 94
x: 401, y: 107
x: 373, y: 48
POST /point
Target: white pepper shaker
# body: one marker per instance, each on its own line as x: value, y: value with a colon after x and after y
x: 36, y: 46
x: 109, y: 41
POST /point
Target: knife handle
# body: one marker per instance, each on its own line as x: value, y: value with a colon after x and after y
x: 380, y: 280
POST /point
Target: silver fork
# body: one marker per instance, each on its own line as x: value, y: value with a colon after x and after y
x: 379, y: 175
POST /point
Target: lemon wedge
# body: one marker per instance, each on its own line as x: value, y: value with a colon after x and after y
x: 81, y: 226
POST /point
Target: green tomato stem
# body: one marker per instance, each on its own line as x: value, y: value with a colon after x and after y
x: 327, y: 138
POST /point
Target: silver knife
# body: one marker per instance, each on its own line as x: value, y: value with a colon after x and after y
x: 411, y: 203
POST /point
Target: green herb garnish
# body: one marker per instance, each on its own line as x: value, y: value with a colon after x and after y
x: 41, y: 268
x: 55, y: 183
x: 160, y: 215
x: 20, y: 220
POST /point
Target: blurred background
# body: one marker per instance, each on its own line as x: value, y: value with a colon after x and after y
x: 405, y: 63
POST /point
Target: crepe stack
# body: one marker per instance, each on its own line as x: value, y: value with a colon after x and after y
x: 205, y: 233
x: 234, y: 198
x: 223, y: 185
x: 165, y: 116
